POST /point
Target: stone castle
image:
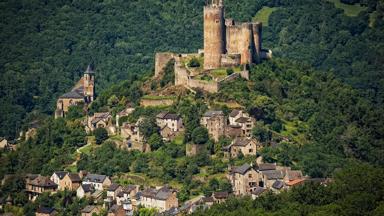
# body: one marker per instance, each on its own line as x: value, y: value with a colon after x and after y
x: 82, y: 92
x: 227, y: 44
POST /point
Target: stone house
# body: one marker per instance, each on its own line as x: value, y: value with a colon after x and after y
x: 116, y: 210
x: 245, y: 146
x: 44, y: 211
x: 220, y: 197
x: 244, y: 179
x: 242, y: 120
x: 82, y: 92
x: 101, y: 120
x: 162, y: 199
x: 85, y: 190
x: 90, y: 210
x: 170, y: 120
x: 99, y: 182
x: 112, y: 192
x: 126, y: 193
x: 57, y: 177
x: 36, y: 185
x: 256, y: 193
x: 71, y: 181
x: 269, y: 177
x: 215, y: 122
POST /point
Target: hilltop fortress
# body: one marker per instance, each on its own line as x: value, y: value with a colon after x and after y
x: 228, y: 47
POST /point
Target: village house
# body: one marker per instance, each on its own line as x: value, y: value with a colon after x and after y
x: 269, y: 175
x: 220, y: 197
x: 245, y: 146
x: 57, y: 177
x: 99, y: 182
x: 85, y: 190
x: 112, y: 192
x: 116, y: 210
x: 71, y: 181
x: 82, y: 92
x: 162, y: 199
x: 44, y: 211
x: 36, y: 185
x: 242, y: 120
x: 101, y: 120
x: 90, y: 210
x: 244, y: 179
x: 256, y: 193
x: 170, y: 120
x: 126, y: 193
x: 215, y: 122
x: 134, y: 140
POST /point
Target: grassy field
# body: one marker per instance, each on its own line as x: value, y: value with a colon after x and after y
x: 263, y: 15
x: 349, y: 10
x: 155, y: 97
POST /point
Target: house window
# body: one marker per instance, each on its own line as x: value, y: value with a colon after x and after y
x: 249, y: 175
x: 250, y: 150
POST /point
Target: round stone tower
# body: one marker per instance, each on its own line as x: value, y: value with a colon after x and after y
x: 257, y: 32
x: 247, y: 48
x: 214, y: 34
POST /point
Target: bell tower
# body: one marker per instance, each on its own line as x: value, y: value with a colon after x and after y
x: 89, y: 84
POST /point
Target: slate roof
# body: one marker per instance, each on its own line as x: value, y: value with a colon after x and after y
x: 234, y: 113
x: 278, y: 185
x: 241, y: 141
x: 45, y: 210
x: 72, y: 95
x: 114, y: 209
x: 87, y: 188
x: 167, y: 115
x: 220, y: 195
x: 162, y: 194
x: 42, y: 181
x: 258, y: 191
x: 88, y: 209
x: 100, y: 116
x: 208, y: 199
x: 89, y: 70
x: 61, y: 174
x: 95, y: 178
x: 273, y: 174
x: 113, y: 187
x: 74, y: 177
x: 294, y: 174
x: 267, y: 166
x: 242, y: 169
x: 242, y: 120
x: 213, y: 113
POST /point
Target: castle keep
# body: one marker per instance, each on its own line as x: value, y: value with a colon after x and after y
x: 228, y: 47
x: 224, y: 39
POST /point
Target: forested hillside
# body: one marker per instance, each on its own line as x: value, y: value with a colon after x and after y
x: 46, y: 45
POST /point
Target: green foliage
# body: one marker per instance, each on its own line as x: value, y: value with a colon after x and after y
x: 194, y: 62
x: 148, y: 127
x: 155, y: 141
x: 75, y: 112
x: 101, y: 135
x: 200, y: 135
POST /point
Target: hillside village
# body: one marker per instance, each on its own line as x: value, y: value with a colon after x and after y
x: 229, y: 48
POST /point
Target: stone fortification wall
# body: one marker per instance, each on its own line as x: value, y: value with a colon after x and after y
x: 161, y: 60
x: 210, y: 86
x: 159, y: 102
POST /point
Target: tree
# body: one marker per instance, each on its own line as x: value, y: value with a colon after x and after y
x: 155, y: 141
x: 101, y: 135
x: 200, y: 135
x: 148, y: 127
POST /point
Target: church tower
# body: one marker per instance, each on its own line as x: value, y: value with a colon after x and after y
x: 214, y: 34
x: 89, y: 84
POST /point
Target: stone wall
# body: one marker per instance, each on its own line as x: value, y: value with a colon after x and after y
x: 230, y: 60
x: 211, y: 86
x: 161, y: 60
x: 159, y: 102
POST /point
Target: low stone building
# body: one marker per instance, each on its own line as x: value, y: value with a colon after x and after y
x: 71, y: 181
x: 215, y: 122
x: 220, y: 197
x: 244, y: 179
x: 36, y: 185
x: 90, y: 210
x: 245, y: 146
x: 44, y: 211
x: 99, y: 182
x: 170, y: 120
x: 101, y: 120
x: 162, y: 199
x: 85, y: 190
